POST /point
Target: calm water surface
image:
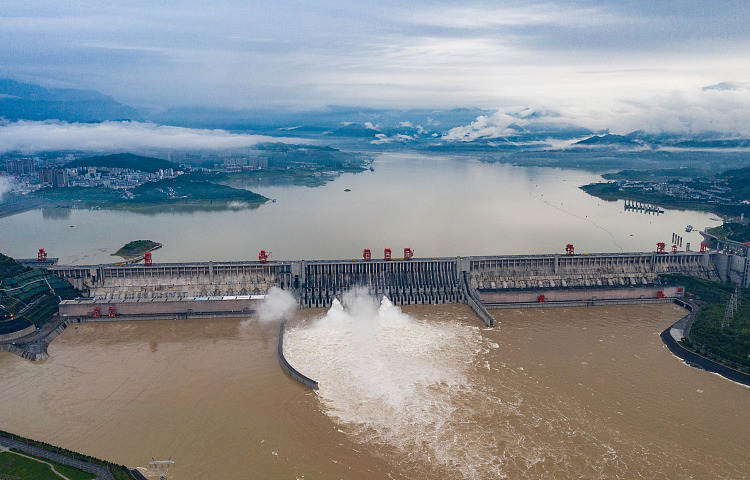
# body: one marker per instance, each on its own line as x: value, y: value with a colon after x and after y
x: 438, y: 206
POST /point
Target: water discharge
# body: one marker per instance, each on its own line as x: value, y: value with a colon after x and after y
x: 439, y: 397
x: 390, y: 379
x: 418, y: 392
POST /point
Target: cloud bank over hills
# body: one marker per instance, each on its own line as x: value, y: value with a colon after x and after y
x: 564, y: 54
x: 722, y: 109
x: 116, y: 136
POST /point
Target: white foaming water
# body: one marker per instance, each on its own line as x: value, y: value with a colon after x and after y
x: 276, y: 305
x: 396, y: 381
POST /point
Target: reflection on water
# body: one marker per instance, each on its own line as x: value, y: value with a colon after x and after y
x: 56, y: 213
x: 550, y: 393
x: 437, y: 205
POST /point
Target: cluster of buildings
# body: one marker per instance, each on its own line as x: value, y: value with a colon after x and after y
x: 712, y: 192
x: 31, y: 176
x: 239, y: 164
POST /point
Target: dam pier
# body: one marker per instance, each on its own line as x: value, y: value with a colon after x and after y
x: 197, y: 289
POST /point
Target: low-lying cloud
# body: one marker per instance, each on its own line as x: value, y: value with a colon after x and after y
x: 6, y: 184
x: 33, y: 136
x: 722, y: 108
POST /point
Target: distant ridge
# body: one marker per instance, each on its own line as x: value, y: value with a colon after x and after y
x: 26, y: 101
x: 125, y: 160
x: 609, y: 139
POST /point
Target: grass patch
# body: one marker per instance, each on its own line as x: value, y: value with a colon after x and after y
x: 17, y: 466
x: 120, y: 472
x: 729, y: 345
x: 731, y: 231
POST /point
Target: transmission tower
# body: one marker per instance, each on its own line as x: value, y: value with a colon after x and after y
x: 161, y: 467
x: 733, y: 305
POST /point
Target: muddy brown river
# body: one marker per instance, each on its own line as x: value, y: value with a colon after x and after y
x: 549, y: 393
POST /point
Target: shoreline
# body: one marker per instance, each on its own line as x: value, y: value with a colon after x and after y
x: 693, y: 359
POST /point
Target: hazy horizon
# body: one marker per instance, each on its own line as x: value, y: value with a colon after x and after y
x: 601, y: 65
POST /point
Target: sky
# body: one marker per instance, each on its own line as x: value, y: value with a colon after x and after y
x: 681, y: 65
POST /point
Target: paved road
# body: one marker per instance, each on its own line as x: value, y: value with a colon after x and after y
x: 100, y: 471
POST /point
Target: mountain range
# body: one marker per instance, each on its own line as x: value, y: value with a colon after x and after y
x: 438, y: 129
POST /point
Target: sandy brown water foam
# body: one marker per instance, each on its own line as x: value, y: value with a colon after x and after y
x: 568, y: 393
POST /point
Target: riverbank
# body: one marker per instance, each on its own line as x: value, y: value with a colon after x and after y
x: 102, y: 469
x: 710, y: 335
x: 674, y: 335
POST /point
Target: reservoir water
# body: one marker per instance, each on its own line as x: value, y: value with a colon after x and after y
x: 439, y: 206
x: 550, y: 393
x: 424, y: 393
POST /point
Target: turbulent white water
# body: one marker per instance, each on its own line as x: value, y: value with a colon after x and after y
x: 393, y: 380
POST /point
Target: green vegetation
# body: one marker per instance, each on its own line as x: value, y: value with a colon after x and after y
x: 183, y: 190
x: 682, y: 188
x: 303, y: 165
x: 729, y: 345
x: 656, y: 174
x: 731, y: 231
x: 120, y: 472
x: 17, y: 466
x: 611, y: 191
x: 31, y: 295
x: 136, y: 248
x: 125, y: 160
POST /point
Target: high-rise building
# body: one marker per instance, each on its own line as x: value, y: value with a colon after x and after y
x: 61, y: 178
x: 55, y: 177
x: 20, y: 166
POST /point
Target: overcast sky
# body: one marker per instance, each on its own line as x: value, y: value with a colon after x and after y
x: 587, y: 59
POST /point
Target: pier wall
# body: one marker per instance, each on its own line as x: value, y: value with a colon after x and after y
x: 287, y: 367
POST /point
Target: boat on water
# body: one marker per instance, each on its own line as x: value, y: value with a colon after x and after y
x: 689, y: 228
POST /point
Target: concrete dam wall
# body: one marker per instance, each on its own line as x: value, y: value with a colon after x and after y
x: 494, y: 279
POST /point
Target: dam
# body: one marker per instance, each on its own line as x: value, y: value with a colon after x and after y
x: 194, y: 289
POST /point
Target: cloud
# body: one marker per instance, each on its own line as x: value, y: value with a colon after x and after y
x: 521, y: 15
x: 723, y: 111
x: 564, y: 54
x: 6, y: 184
x: 382, y: 138
x: 503, y: 123
x: 723, y: 86
x: 109, y: 136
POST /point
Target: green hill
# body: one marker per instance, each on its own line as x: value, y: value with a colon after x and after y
x: 30, y: 294
x: 125, y: 160
x: 185, y: 190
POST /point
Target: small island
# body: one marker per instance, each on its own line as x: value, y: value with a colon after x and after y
x: 136, y: 249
